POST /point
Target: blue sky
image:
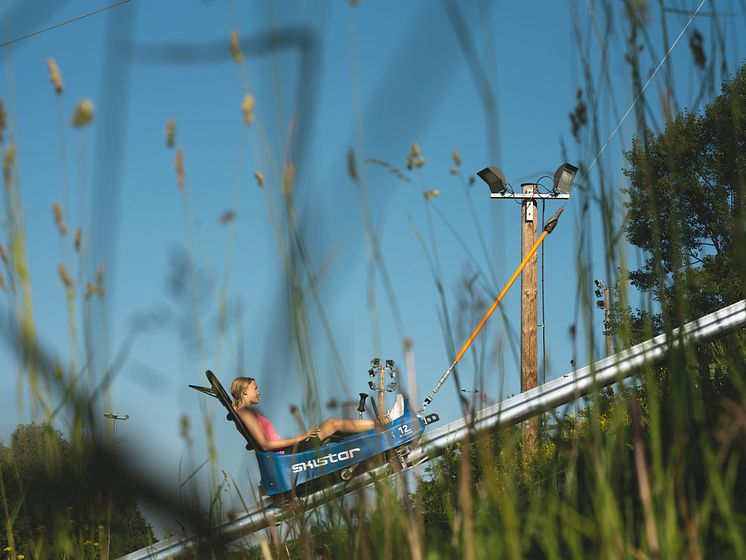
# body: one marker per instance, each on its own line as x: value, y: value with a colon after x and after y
x: 375, y: 77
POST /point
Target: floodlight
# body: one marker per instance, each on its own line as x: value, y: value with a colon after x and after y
x: 599, y: 293
x: 372, y: 372
x: 599, y: 283
x: 601, y: 304
x: 375, y: 362
x: 495, y: 179
x: 389, y: 363
x: 563, y: 178
x: 372, y: 387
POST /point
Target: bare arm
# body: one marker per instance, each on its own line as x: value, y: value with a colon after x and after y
x: 249, y: 420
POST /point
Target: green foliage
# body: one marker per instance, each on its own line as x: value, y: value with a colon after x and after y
x: 58, y: 500
x: 685, y: 209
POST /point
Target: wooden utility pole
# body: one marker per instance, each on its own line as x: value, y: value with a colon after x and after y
x: 529, y: 310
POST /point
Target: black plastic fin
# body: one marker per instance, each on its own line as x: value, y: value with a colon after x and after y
x: 206, y: 390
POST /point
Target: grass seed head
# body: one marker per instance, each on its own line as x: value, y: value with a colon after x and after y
x: 236, y: 47
x: 171, y: 133
x: 179, y: 167
x: 247, y: 108
x: 83, y: 113
x: 4, y: 255
x: 58, y: 219
x: 429, y: 195
x: 351, y: 165
x: 65, y: 277
x: 55, y: 76
x: 414, y: 157
x: 259, y: 176
x: 3, y: 120
x: 8, y: 162
x: 90, y: 289
x: 78, y: 236
x: 3, y: 287
x: 227, y: 217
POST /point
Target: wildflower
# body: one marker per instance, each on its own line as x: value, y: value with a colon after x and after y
x: 351, y: 165
x: 3, y: 120
x: 8, y: 161
x: 76, y: 243
x: 456, y: 157
x: 227, y: 217
x: 20, y: 557
x: 8, y: 549
x: 288, y: 178
x: 429, y: 195
x: 55, y: 76
x: 179, y: 166
x: 259, y: 178
x: 58, y: 220
x: 247, y: 108
x: 170, y: 133
x: 236, y: 47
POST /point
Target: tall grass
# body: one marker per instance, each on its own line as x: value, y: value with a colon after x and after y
x: 654, y: 469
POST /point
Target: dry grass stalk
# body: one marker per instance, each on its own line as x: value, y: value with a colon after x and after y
x: 179, y: 167
x: 456, y: 157
x: 4, y: 255
x: 76, y: 242
x: 83, y: 113
x: 3, y: 286
x: 429, y: 195
x: 171, y: 133
x: 247, y: 108
x: 236, y: 47
x: 643, y: 481
x: 55, y: 76
x: 259, y: 176
x: 288, y: 178
x: 58, y: 219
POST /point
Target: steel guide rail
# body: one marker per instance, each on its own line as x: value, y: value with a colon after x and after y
x: 511, y: 411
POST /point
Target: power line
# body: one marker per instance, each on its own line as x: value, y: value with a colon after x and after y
x: 17, y: 39
x: 639, y: 95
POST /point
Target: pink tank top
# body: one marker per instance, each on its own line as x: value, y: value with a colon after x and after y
x: 266, y: 427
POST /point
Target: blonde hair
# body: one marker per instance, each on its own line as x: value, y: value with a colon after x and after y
x: 237, y: 387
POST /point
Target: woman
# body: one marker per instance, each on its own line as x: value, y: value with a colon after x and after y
x: 245, y: 393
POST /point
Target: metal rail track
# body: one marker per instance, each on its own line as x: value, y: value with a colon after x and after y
x: 509, y: 412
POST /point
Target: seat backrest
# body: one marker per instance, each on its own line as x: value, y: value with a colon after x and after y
x: 217, y: 391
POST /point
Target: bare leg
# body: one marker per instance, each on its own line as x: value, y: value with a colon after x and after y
x: 344, y: 425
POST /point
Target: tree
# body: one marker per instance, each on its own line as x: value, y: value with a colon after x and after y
x: 685, y: 210
x: 55, y: 500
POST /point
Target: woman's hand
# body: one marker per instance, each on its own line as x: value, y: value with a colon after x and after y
x: 313, y: 432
